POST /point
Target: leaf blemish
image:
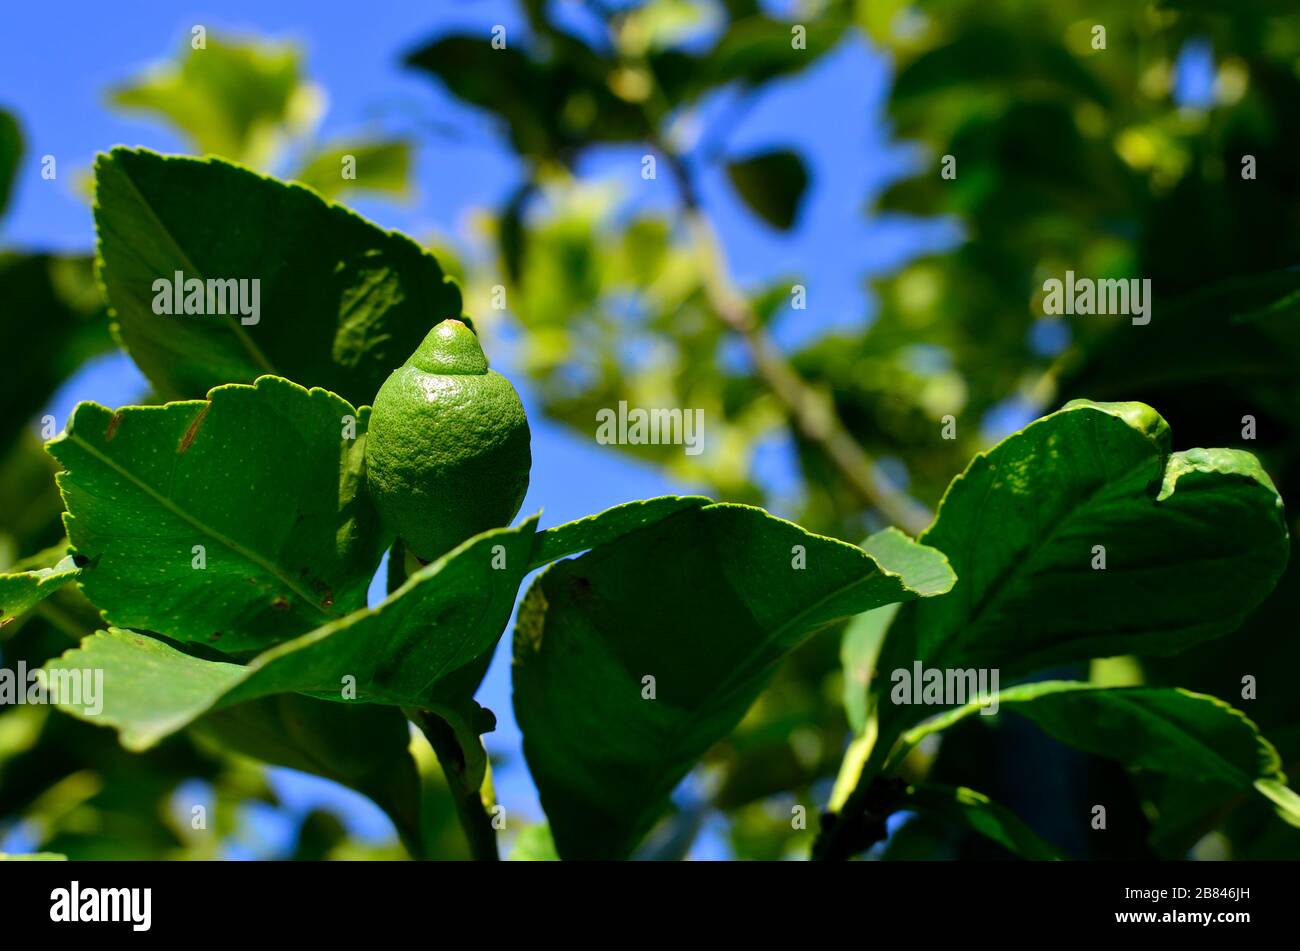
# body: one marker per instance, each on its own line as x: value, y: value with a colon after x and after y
x: 113, y: 423
x: 280, y: 604
x: 188, y: 439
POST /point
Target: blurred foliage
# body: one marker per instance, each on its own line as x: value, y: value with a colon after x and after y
x: 1067, y: 156
x: 11, y: 148
x: 772, y: 184
x: 248, y: 100
x: 234, y: 99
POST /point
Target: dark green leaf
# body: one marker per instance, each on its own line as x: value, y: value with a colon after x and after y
x: 1193, y: 541
x: 341, y: 302
x: 1021, y: 65
x: 975, y: 811
x: 552, y: 105
x: 29, y: 582
x: 772, y: 185
x: 363, y: 746
x: 53, y: 321
x: 1161, y: 729
x: 757, y: 49
x: 707, y: 602
x: 11, y: 150
x: 1239, y: 338
x: 31, y: 510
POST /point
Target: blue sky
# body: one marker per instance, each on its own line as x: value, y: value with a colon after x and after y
x: 56, y: 63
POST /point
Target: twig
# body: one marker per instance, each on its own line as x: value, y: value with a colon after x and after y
x: 813, y: 414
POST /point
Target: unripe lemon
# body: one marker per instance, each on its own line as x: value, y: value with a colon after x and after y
x: 447, y: 451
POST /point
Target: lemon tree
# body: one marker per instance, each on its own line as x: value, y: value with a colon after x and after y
x: 228, y: 535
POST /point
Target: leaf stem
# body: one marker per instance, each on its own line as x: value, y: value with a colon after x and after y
x: 862, y: 795
x: 847, y: 833
x: 468, y: 798
x: 471, y: 811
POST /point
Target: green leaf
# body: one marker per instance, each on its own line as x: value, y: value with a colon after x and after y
x: 1162, y: 729
x: 362, y: 746
x: 156, y: 688
x: 265, y: 478
x: 11, y: 150
x: 341, y: 302
x: 25, y: 585
x: 1183, y: 811
x: 963, y: 65
x: 609, y: 525
x: 757, y: 49
x: 231, y: 98
x: 1193, y: 542
x: 383, y: 167
x: 1254, y: 322
x: 707, y: 602
x: 772, y: 184
x: 408, y: 651
x: 859, y: 648
x: 552, y: 104
x: 864, y: 635
x: 973, y: 810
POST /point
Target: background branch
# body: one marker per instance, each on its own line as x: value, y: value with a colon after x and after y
x: 812, y: 412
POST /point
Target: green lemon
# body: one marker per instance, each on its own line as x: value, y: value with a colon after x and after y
x: 448, y: 449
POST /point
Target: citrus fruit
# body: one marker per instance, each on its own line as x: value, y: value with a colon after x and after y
x: 448, y: 448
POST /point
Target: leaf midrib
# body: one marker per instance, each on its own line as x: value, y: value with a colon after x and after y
x: 728, y: 690
x: 997, y: 589
x: 235, y: 326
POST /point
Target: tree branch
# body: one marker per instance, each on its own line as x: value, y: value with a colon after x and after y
x: 812, y: 413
